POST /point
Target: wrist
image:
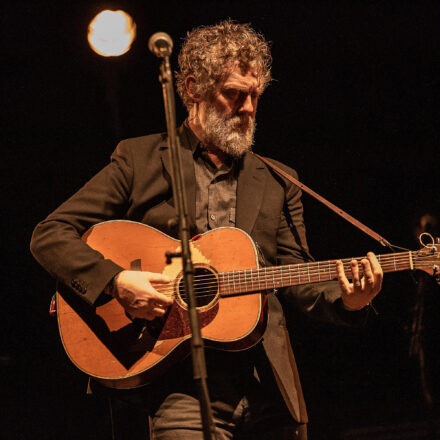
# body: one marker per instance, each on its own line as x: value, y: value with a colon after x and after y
x: 351, y: 308
x: 110, y: 288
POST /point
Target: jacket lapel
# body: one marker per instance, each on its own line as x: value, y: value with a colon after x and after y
x: 250, y: 188
x: 186, y: 152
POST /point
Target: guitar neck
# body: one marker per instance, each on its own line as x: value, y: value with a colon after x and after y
x: 254, y: 280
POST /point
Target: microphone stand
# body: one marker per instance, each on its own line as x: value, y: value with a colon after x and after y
x: 197, y: 349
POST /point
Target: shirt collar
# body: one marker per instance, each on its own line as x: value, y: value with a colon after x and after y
x: 192, y: 138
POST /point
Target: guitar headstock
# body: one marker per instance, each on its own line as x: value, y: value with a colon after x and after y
x: 428, y: 257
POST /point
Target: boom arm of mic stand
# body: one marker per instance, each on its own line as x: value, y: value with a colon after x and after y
x: 197, y: 349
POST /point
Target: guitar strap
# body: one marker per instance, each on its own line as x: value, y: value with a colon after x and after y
x: 330, y: 205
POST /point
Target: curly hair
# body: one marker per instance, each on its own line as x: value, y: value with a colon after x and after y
x: 209, y: 53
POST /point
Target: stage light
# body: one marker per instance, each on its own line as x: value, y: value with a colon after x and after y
x: 111, y: 33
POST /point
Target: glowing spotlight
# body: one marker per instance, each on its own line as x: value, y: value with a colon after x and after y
x: 111, y: 33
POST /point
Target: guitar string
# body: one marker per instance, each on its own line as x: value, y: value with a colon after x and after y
x: 213, y: 286
x: 394, y: 258
x: 322, y: 268
x: 212, y: 291
x: 306, y: 266
x: 237, y: 275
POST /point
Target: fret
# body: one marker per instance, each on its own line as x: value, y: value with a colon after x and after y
x: 316, y: 272
x: 243, y: 280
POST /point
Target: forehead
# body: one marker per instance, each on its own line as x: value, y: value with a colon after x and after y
x: 241, y: 79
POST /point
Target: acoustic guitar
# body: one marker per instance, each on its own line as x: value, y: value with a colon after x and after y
x: 230, y: 287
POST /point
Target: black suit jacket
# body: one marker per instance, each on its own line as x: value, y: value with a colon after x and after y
x: 136, y: 185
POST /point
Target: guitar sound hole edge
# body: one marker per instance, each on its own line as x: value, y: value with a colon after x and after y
x: 206, y: 287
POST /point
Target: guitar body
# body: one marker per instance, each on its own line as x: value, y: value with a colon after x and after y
x: 119, y: 352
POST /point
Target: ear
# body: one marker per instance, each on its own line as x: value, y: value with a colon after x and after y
x: 190, y: 83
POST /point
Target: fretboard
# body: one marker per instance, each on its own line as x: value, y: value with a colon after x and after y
x: 250, y: 280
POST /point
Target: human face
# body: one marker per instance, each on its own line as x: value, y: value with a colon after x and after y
x: 228, y: 117
x: 238, y: 94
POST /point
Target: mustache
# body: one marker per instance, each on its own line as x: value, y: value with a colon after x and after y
x: 239, y: 121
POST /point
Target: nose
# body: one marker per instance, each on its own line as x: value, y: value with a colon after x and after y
x: 247, y: 105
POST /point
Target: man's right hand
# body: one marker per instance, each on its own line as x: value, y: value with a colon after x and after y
x: 133, y: 290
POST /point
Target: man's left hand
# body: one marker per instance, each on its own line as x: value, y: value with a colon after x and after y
x: 360, y: 291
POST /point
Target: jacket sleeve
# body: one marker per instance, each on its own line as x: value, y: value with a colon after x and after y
x: 321, y: 301
x: 56, y: 242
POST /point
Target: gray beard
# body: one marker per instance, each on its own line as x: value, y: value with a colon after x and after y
x: 234, y: 135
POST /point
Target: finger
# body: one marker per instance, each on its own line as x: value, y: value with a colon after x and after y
x: 157, y: 277
x: 375, y: 266
x: 146, y: 312
x: 355, y: 273
x: 342, y: 279
x: 159, y: 311
x: 160, y: 299
x: 377, y: 273
x: 368, y: 273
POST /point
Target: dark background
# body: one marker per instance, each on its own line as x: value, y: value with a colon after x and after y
x: 353, y: 107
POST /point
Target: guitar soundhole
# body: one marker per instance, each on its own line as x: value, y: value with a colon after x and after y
x: 205, y: 287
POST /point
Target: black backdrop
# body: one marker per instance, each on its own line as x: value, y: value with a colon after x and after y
x: 353, y: 107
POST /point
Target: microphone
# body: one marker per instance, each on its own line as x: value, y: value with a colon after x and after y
x: 160, y: 44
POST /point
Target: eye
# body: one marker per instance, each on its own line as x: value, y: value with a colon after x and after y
x: 230, y: 93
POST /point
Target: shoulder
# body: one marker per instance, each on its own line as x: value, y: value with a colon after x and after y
x: 291, y: 190
x: 142, y: 145
x: 287, y: 169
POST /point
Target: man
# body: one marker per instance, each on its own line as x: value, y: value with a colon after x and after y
x: 255, y: 393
